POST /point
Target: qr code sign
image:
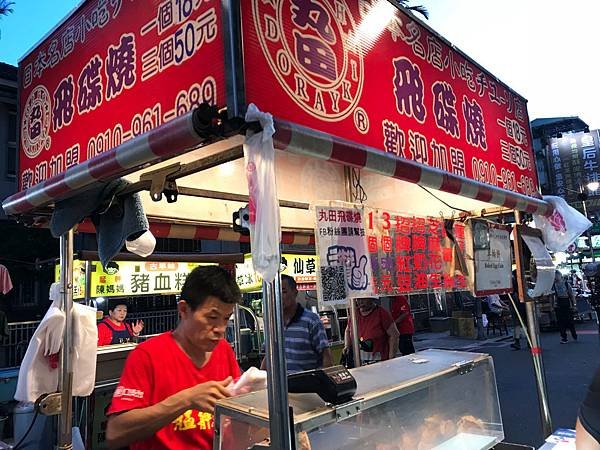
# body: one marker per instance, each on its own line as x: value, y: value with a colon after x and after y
x: 333, y: 283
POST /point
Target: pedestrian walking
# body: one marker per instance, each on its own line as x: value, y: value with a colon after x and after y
x: 564, y: 307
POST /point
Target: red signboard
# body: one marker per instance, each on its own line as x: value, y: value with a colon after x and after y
x: 112, y: 70
x: 365, y: 71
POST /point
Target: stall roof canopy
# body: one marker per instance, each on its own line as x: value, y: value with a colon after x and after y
x: 398, y: 101
x: 164, y: 143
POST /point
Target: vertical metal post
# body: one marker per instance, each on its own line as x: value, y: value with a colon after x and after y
x: 355, y: 336
x: 65, y: 422
x: 536, y: 348
x: 88, y: 283
x: 277, y: 387
x: 236, y: 333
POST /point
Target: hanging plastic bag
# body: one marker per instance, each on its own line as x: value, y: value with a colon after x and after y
x: 484, y: 320
x: 263, y: 206
x: 562, y: 227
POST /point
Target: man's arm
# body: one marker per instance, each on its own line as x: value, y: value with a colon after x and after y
x: 401, y: 317
x: 327, y: 357
x: 393, y: 335
x: 136, y: 425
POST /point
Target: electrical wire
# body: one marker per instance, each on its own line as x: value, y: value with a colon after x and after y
x: 523, y: 327
x: 442, y: 201
x: 37, y: 411
x: 358, y: 192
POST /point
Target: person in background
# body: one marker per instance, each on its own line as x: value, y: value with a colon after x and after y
x: 520, y: 310
x: 306, y: 343
x: 170, y: 383
x: 113, y: 329
x: 378, y: 334
x: 400, y: 310
x: 564, y: 307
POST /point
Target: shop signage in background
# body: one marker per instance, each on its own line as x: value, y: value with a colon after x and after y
x: 489, y: 257
x: 344, y: 269
x: 128, y: 278
x: 366, y: 71
x: 302, y: 268
x: 112, y: 71
x: 411, y: 254
x: 575, y: 162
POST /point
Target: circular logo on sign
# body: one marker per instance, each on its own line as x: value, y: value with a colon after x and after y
x: 35, y: 124
x: 309, y: 47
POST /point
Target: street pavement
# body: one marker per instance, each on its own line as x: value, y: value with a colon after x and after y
x: 569, y: 369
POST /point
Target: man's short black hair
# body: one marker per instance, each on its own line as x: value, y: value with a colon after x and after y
x: 206, y: 281
x: 291, y: 282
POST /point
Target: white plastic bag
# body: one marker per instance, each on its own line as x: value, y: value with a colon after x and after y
x: 265, y: 232
x: 562, y: 227
x: 484, y: 320
x: 251, y: 380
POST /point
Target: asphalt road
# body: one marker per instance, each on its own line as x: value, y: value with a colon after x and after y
x: 569, y: 369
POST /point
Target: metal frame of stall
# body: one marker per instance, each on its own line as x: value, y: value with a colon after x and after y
x: 188, y: 132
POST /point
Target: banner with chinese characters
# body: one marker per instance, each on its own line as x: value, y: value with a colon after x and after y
x: 128, y: 278
x: 113, y: 70
x: 575, y: 162
x: 344, y: 271
x: 411, y: 254
x: 368, y: 72
x: 302, y: 268
x: 489, y: 257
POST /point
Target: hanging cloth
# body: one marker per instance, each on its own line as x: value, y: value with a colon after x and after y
x: 5, y: 281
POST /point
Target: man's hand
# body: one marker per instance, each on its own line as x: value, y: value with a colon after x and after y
x: 137, y: 327
x: 205, y: 396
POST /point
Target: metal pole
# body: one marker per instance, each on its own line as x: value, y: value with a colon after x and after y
x: 536, y: 349
x: 277, y: 388
x: 65, y: 422
x: 236, y: 333
x: 355, y: 336
x: 88, y: 283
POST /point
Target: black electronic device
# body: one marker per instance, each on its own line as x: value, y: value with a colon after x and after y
x: 334, y: 385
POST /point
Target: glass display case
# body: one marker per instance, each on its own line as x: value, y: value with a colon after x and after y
x: 434, y: 399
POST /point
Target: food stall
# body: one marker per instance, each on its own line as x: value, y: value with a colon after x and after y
x: 370, y: 106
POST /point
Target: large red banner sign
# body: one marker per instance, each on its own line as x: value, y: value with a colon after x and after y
x: 113, y: 70
x: 366, y: 71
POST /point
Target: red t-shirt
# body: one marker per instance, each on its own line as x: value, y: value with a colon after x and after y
x: 105, y: 333
x: 159, y: 368
x: 374, y: 326
x: 398, y: 306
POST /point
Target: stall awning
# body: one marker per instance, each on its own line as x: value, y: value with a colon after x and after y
x: 180, y: 136
x: 207, y: 232
x: 308, y: 142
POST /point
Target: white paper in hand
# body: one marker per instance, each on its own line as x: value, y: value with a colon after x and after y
x: 251, y: 380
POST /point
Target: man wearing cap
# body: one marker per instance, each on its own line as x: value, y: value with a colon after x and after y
x: 113, y: 329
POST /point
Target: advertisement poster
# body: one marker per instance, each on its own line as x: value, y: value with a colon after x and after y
x: 368, y: 72
x: 489, y: 257
x: 111, y: 71
x: 410, y: 254
x: 344, y: 269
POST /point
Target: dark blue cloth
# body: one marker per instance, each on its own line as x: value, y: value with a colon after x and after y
x: 305, y: 340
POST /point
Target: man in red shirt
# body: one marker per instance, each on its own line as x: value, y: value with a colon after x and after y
x: 400, y: 309
x: 113, y: 329
x: 378, y: 334
x: 171, y: 383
